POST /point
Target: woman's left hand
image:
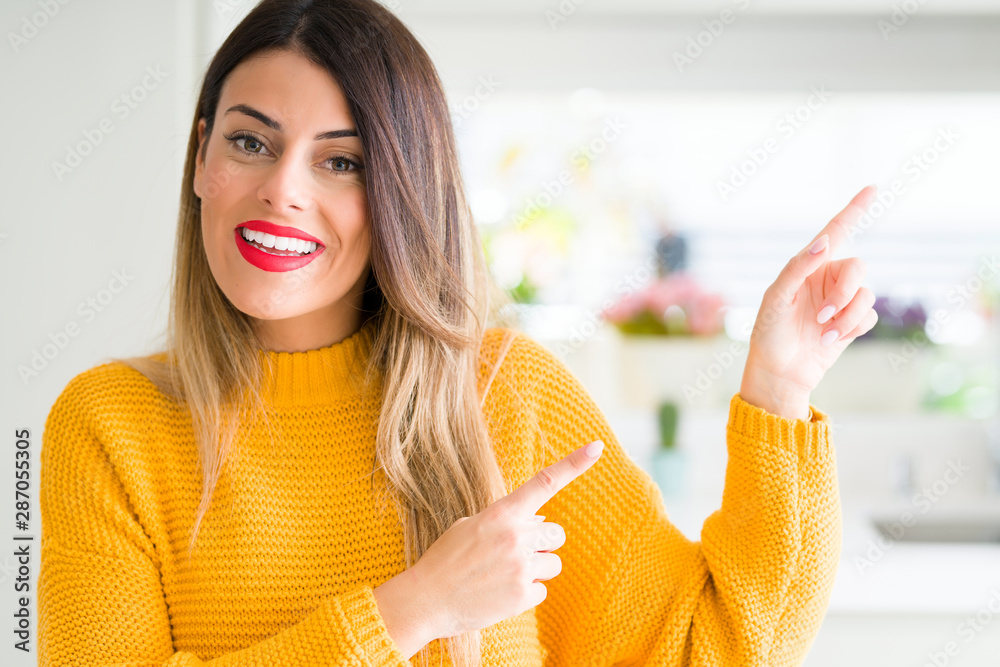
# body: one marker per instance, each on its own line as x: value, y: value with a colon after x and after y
x: 811, y: 313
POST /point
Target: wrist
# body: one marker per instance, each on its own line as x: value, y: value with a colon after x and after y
x: 404, y: 610
x: 426, y: 606
x: 784, y: 399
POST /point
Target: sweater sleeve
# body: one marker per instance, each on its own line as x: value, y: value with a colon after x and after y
x: 100, y: 596
x: 634, y: 590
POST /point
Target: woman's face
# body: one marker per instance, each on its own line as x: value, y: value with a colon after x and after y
x: 268, y: 164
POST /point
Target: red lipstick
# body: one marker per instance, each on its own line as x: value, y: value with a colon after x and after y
x: 269, y: 261
x: 279, y: 230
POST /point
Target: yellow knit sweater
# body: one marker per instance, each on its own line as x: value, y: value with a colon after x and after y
x: 294, y: 543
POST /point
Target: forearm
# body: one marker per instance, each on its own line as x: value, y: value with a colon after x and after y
x: 778, y: 397
x: 821, y: 526
x: 772, y: 549
x: 403, y: 610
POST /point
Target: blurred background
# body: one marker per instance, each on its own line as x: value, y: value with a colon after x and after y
x: 640, y: 171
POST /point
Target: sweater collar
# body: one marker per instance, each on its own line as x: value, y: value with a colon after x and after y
x: 318, y: 376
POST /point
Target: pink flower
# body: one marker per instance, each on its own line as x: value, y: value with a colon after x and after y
x: 703, y: 311
x: 627, y: 308
x: 705, y: 314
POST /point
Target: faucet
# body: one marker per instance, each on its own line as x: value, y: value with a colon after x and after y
x: 993, y: 447
x: 901, y: 473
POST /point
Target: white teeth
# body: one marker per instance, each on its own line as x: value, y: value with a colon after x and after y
x: 300, y: 246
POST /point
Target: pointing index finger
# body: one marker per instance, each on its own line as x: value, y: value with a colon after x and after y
x: 527, y: 499
x: 839, y: 228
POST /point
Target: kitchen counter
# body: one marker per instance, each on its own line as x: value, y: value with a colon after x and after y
x: 906, y: 577
x: 914, y: 577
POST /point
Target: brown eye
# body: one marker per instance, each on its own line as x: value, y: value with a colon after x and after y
x: 251, y: 145
x: 343, y: 164
x: 250, y: 142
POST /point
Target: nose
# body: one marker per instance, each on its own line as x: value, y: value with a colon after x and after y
x: 286, y: 185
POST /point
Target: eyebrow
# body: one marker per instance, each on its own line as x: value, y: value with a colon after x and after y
x: 275, y: 125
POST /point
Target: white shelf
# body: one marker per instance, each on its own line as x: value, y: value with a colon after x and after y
x: 691, y: 7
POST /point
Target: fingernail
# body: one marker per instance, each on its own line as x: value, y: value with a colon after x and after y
x: 593, y: 450
x: 539, y: 518
x: 825, y: 314
x: 829, y: 337
x: 820, y: 244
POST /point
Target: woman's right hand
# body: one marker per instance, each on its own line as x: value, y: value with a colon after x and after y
x: 487, y: 568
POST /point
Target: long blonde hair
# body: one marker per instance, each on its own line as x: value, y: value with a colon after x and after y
x: 429, y: 294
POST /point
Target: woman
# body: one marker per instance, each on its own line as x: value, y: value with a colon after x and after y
x: 335, y: 349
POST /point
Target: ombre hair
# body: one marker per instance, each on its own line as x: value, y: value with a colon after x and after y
x: 429, y: 294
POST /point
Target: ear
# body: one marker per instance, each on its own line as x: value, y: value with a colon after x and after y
x: 199, y: 165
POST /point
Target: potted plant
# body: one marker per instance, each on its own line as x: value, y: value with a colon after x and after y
x: 669, y: 463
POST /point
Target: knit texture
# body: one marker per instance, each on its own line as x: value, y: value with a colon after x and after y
x: 295, y: 542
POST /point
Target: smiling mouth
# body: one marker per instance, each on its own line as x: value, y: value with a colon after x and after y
x: 270, y: 244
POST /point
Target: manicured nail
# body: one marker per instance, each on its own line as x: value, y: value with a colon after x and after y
x: 594, y: 449
x: 539, y: 518
x: 820, y: 244
x: 825, y: 314
x: 829, y: 337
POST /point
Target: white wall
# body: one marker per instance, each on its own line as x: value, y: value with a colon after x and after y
x: 63, y: 238
x: 629, y: 51
x: 104, y: 91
